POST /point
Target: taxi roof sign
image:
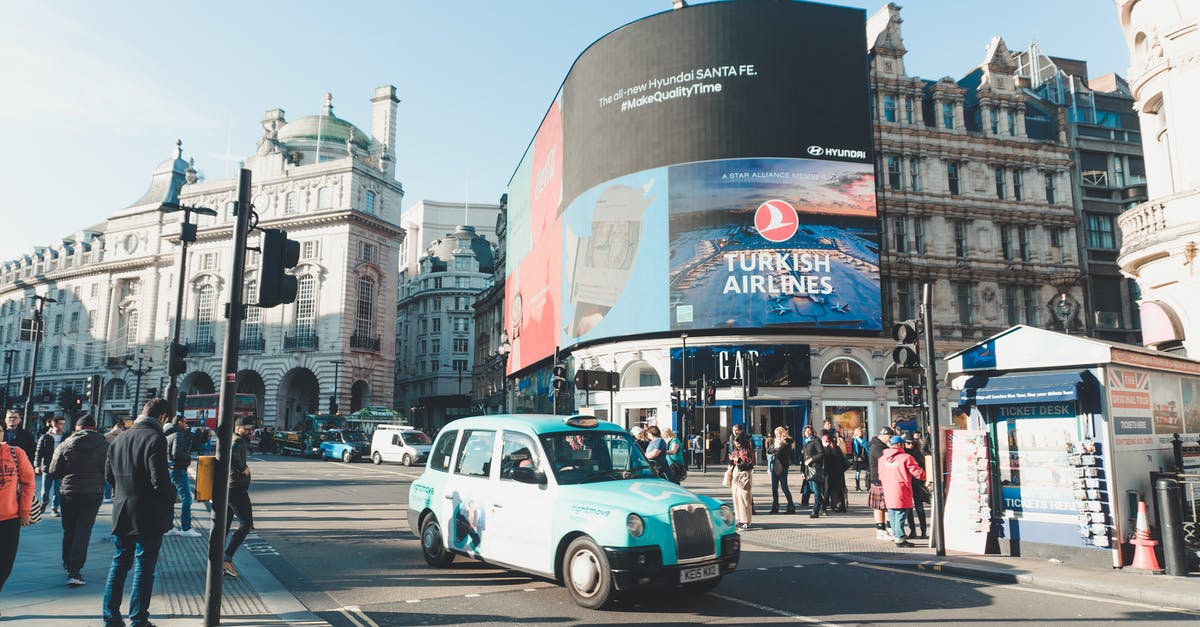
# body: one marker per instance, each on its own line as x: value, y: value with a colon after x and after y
x: 582, y: 422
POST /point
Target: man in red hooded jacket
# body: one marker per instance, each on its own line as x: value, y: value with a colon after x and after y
x: 897, y: 469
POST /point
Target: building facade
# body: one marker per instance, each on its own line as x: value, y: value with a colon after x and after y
x: 331, y: 186
x: 492, y: 344
x: 435, y: 322
x: 1161, y: 237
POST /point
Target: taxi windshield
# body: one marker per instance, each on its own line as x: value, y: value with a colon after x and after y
x: 354, y: 436
x: 592, y: 456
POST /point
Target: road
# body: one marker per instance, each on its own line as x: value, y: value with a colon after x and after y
x: 336, y: 536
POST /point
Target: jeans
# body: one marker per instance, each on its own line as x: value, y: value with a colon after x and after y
x: 51, y: 486
x: 780, y: 481
x: 141, y: 554
x: 78, y: 516
x: 107, y: 491
x: 897, y: 517
x: 816, y: 488
x: 179, y: 477
x: 239, y: 505
x: 10, y: 535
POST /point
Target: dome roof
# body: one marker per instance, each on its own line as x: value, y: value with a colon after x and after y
x: 332, y: 129
x: 442, y: 250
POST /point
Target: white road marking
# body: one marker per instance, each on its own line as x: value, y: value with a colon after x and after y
x: 472, y: 595
x: 360, y: 615
x: 772, y: 610
x: 412, y: 601
x: 350, y: 617
x: 1027, y: 588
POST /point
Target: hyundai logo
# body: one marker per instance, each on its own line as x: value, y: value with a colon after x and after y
x: 816, y: 151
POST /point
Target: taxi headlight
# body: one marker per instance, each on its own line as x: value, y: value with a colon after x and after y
x: 635, y: 525
x: 726, y: 514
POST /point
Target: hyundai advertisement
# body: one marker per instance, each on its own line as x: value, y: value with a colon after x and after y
x: 703, y: 168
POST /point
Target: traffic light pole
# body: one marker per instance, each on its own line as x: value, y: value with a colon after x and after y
x: 39, y: 323
x: 173, y: 356
x: 931, y: 398
x: 233, y: 333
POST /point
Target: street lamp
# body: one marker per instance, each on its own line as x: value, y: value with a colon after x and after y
x: 333, y: 406
x: 504, y: 349
x: 38, y: 328
x: 145, y: 365
x: 187, y: 234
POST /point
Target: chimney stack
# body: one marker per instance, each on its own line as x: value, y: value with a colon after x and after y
x: 383, y: 127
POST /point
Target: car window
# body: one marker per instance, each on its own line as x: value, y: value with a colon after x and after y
x: 396, y: 439
x: 439, y: 459
x: 475, y: 453
x: 517, y: 451
x: 590, y: 456
x: 416, y: 437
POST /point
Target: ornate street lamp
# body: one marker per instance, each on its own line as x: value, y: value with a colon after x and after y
x: 504, y: 349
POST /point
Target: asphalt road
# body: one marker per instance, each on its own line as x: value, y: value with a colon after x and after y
x: 336, y: 536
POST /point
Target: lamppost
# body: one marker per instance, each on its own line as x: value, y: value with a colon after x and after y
x: 145, y: 365
x: 9, y: 359
x: 333, y: 405
x: 37, y: 328
x: 187, y: 234
x: 504, y: 349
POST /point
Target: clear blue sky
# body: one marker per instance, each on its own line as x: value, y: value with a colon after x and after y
x: 96, y: 93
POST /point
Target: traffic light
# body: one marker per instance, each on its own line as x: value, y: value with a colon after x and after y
x: 710, y: 394
x: 917, y: 396
x: 91, y: 388
x: 904, y: 393
x: 674, y: 400
x: 26, y: 384
x: 279, y: 254
x: 559, y: 380
x: 178, y: 365
x: 905, y: 354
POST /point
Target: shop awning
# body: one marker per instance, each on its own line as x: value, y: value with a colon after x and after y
x: 1042, y: 387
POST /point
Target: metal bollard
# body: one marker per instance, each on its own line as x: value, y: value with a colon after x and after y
x: 204, y: 478
x: 1170, y: 526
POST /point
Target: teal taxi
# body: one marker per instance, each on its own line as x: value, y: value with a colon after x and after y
x: 571, y: 499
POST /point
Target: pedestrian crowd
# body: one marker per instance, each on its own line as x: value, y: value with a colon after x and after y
x: 141, y: 469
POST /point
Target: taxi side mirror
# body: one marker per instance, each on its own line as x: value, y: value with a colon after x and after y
x: 528, y: 475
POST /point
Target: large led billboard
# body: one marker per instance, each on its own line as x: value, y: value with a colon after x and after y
x: 703, y: 168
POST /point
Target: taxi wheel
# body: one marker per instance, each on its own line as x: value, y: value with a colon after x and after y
x: 406, y: 460
x: 586, y: 574
x: 375, y: 457
x: 433, y: 548
x: 346, y: 457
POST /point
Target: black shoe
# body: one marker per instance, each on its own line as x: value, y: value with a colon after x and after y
x: 905, y: 544
x: 814, y: 515
x: 790, y: 510
x: 774, y: 510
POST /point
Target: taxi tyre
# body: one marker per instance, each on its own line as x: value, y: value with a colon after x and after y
x: 377, y: 458
x: 433, y: 547
x: 347, y: 457
x: 586, y: 573
x: 406, y: 460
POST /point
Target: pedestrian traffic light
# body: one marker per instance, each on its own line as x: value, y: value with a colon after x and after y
x: 278, y: 255
x: 710, y: 394
x: 905, y: 354
x: 904, y: 393
x: 26, y: 384
x: 178, y: 355
x: 917, y: 395
x: 674, y: 400
x: 559, y: 377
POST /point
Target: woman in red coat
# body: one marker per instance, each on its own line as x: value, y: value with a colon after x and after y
x: 897, y: 469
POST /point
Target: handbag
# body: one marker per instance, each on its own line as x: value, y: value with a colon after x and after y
x: 678, y: 472
x: 743, y: 479
x: 727, y: 480
x: 38, y: 508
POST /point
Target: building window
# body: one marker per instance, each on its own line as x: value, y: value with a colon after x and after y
x: 87, y: 355
x: 58, y: 324
x: 948, y: 115
x: 1100, y: 231
x: 291, y: 201
x: 366, y: 251
x: 908, y: 109
x: 966, y: 303
x: 462, y: 325
x: 893, y: 172
x: 54, y: 358
x: 460, y: 365
x: 960, y: 239
x: 952, y: 177
x: 95, y: 290
x: 205, y: 302
x: 900, y: 234
x: 1050, y: 188
x: 844, y: 372
x: 324, y: 198
x: 252, y: 329
x: 1000, y: 183
x: 130, y: 331
x: 914, y: 174
x: 369, y: 202
x: 906, y: 300
x: 74, y: 326
x: 310, y: 249
x: 1023, y: 242
x: 306, y: 306
x: 1118, y: 171
x: 1012, y: 305
x: 994, y: 121
x: 1006, y: 241
x: 209, y: 261
x: 1093, y: 168
x: 437, y: 325
x: 1018, y: 185
x: 460, y: 344
x: 889, y: 108
x: 435, y: 346
x: 1012, y: 123
x: 1056, y: 237
x: 919, y: 234
x: 1029, y: 301
x: 364, y: 319
x: 70, y: 358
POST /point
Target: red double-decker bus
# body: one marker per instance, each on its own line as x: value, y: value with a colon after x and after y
x: 201, y: 409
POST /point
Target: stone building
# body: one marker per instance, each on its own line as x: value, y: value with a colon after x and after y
x: 1161, y: 237
x: 331, y: 186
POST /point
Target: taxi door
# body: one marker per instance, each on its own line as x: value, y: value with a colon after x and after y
x: 522, y: 513
x: 467, y: 494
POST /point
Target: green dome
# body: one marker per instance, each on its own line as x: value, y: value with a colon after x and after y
x: 333, y: 129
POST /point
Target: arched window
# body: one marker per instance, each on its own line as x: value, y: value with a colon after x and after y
x: 117, y: 390
x: 640, y: 375
x: 364, y: 315
x: 306, y: 306
x: 844, y: 372
x: 895, y: 375
x: 205, y: 301
x: 291, y: 203
x: 324, y: 198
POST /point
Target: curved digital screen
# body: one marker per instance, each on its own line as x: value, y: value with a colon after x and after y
x: 704, y: 168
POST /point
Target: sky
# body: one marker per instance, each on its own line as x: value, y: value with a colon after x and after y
x: 96, y: 94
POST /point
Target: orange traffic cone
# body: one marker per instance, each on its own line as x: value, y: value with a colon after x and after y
x: 1143, y: 555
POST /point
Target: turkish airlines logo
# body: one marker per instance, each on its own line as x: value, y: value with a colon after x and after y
x: 776, y: 220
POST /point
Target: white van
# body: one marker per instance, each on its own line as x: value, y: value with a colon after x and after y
x: 399, y: 443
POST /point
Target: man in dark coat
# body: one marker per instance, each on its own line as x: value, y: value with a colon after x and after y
x: 239, y: 491
x: 41, y: 462
x: 143, y: 497
x: 814, y: 473
x: 14, y: 435
x: 179, y: 457
x: 79, y: 464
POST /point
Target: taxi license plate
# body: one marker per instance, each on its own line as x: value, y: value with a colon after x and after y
x: 699, y: 573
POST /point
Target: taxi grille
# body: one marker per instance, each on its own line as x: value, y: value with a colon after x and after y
x: 693, y: 532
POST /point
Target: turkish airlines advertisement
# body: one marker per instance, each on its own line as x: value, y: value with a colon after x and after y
x: 704, y: 168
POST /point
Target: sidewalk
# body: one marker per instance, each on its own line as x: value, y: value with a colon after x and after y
x: 37, y: 594
x: 851, y: 537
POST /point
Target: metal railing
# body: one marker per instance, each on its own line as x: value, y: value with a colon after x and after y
x: 202, y: 347
x: 364, y: 342
x: 300, y: 341
x: 256, y: 344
